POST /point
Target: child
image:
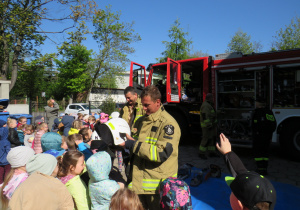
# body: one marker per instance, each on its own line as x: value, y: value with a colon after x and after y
x: 85, y: 119
x: 79, y: 116
x: 28, y: 135
x: 125, y: 199
x: 104, y: 117
x: 92, y: 121
x: 56, y: 122
x: 41, y: 130
x: 38, y: 120
x: 249, y: 189
x: 81, y: 146
x: 86, y: 135
x: 17, y: 158
x: 67, y: 121
x: 101, y: 188
x: 70, y: 142
x: 41, y: 190
x: 76, y: 126
x: 64, y: 143
x: 175, y: 194
x: 51, y: 144
x: 21, y: 121
x: 71, y: 165
x: 12, y: 133
x: 4, y: 149
x: 20, y: 131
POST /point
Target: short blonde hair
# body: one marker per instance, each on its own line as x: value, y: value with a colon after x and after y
x: 92, y: 118
x: 10, y: 120
x: 86, y: 117
x: 77, y: 124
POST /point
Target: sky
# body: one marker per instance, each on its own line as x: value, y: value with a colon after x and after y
x: 211, y: 24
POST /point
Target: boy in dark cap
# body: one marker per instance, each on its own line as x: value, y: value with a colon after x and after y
x: 249, y: 189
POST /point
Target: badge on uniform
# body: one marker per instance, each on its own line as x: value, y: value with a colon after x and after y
x: 169, y: 129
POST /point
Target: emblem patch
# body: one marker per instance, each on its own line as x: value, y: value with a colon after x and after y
x: 169, y: 129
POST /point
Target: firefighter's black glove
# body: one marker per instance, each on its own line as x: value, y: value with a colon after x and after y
x: 129, y: 144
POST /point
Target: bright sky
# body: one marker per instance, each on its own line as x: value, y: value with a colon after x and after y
x: 211, y: 23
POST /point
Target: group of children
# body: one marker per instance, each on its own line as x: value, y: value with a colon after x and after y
x: 47, y: 170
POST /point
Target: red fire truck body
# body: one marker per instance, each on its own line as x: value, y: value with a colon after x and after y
x: 235, y: 83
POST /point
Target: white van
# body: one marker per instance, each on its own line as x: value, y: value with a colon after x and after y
x: 80, y: 108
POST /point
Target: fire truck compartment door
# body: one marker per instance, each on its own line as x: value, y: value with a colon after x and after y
x: 137, y: 76
x: 173, y: 81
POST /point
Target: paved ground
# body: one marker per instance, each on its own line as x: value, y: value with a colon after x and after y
x: 281, y: 169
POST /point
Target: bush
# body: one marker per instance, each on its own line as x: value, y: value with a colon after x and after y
x: 108, y: 106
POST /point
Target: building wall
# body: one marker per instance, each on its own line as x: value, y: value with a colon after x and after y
x: 123, y: 81
x: 18, y: 109
x: 4, y: 89
x: 101, y: 95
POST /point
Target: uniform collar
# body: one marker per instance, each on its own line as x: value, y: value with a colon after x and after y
x: 156, y: 115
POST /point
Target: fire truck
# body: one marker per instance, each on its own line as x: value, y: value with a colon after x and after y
x: 235, y: 80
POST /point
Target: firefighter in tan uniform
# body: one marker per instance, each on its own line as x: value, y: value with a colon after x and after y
x: 155, y: 150
x: 208, y: 121
x: 133, y: 109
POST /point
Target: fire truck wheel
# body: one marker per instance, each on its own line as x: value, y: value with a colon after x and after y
x: 292, y: 138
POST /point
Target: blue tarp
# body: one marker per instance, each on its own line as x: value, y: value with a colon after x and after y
x: 214, y: 194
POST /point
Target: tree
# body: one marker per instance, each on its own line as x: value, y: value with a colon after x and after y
x: 289, y: 37
x: 34, y: 77
x: 241, y: 42
x: 197, y: 54
x: 73, y: 77
x: 113, y: 38
x: 108, y: 81
x: 21, y: 28
x: 178, y: 47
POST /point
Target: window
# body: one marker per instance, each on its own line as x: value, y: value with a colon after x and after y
x: 286, y: 87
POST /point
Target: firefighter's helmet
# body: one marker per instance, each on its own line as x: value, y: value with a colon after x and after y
x: 118, y: 127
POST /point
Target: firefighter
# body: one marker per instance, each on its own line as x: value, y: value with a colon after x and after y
x: 155, y: 150
x: 133, y: 109
x: 263, y: 126
x: 208, y: 122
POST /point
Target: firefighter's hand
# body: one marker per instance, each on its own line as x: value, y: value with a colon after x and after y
x: 225, y: 146
x: 129, y: 137
x: 122, y: 144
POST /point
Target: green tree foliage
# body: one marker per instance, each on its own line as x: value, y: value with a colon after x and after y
x: 34, y: 77
x: 73, y: 74
x: 108, y: 81
x: 241, y: 42
x: 289, y: 37
x: 21, y: 23
x: 114, y: 39
x: 197, y: 54
x: 108, y: 106
x: 178, y: 47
